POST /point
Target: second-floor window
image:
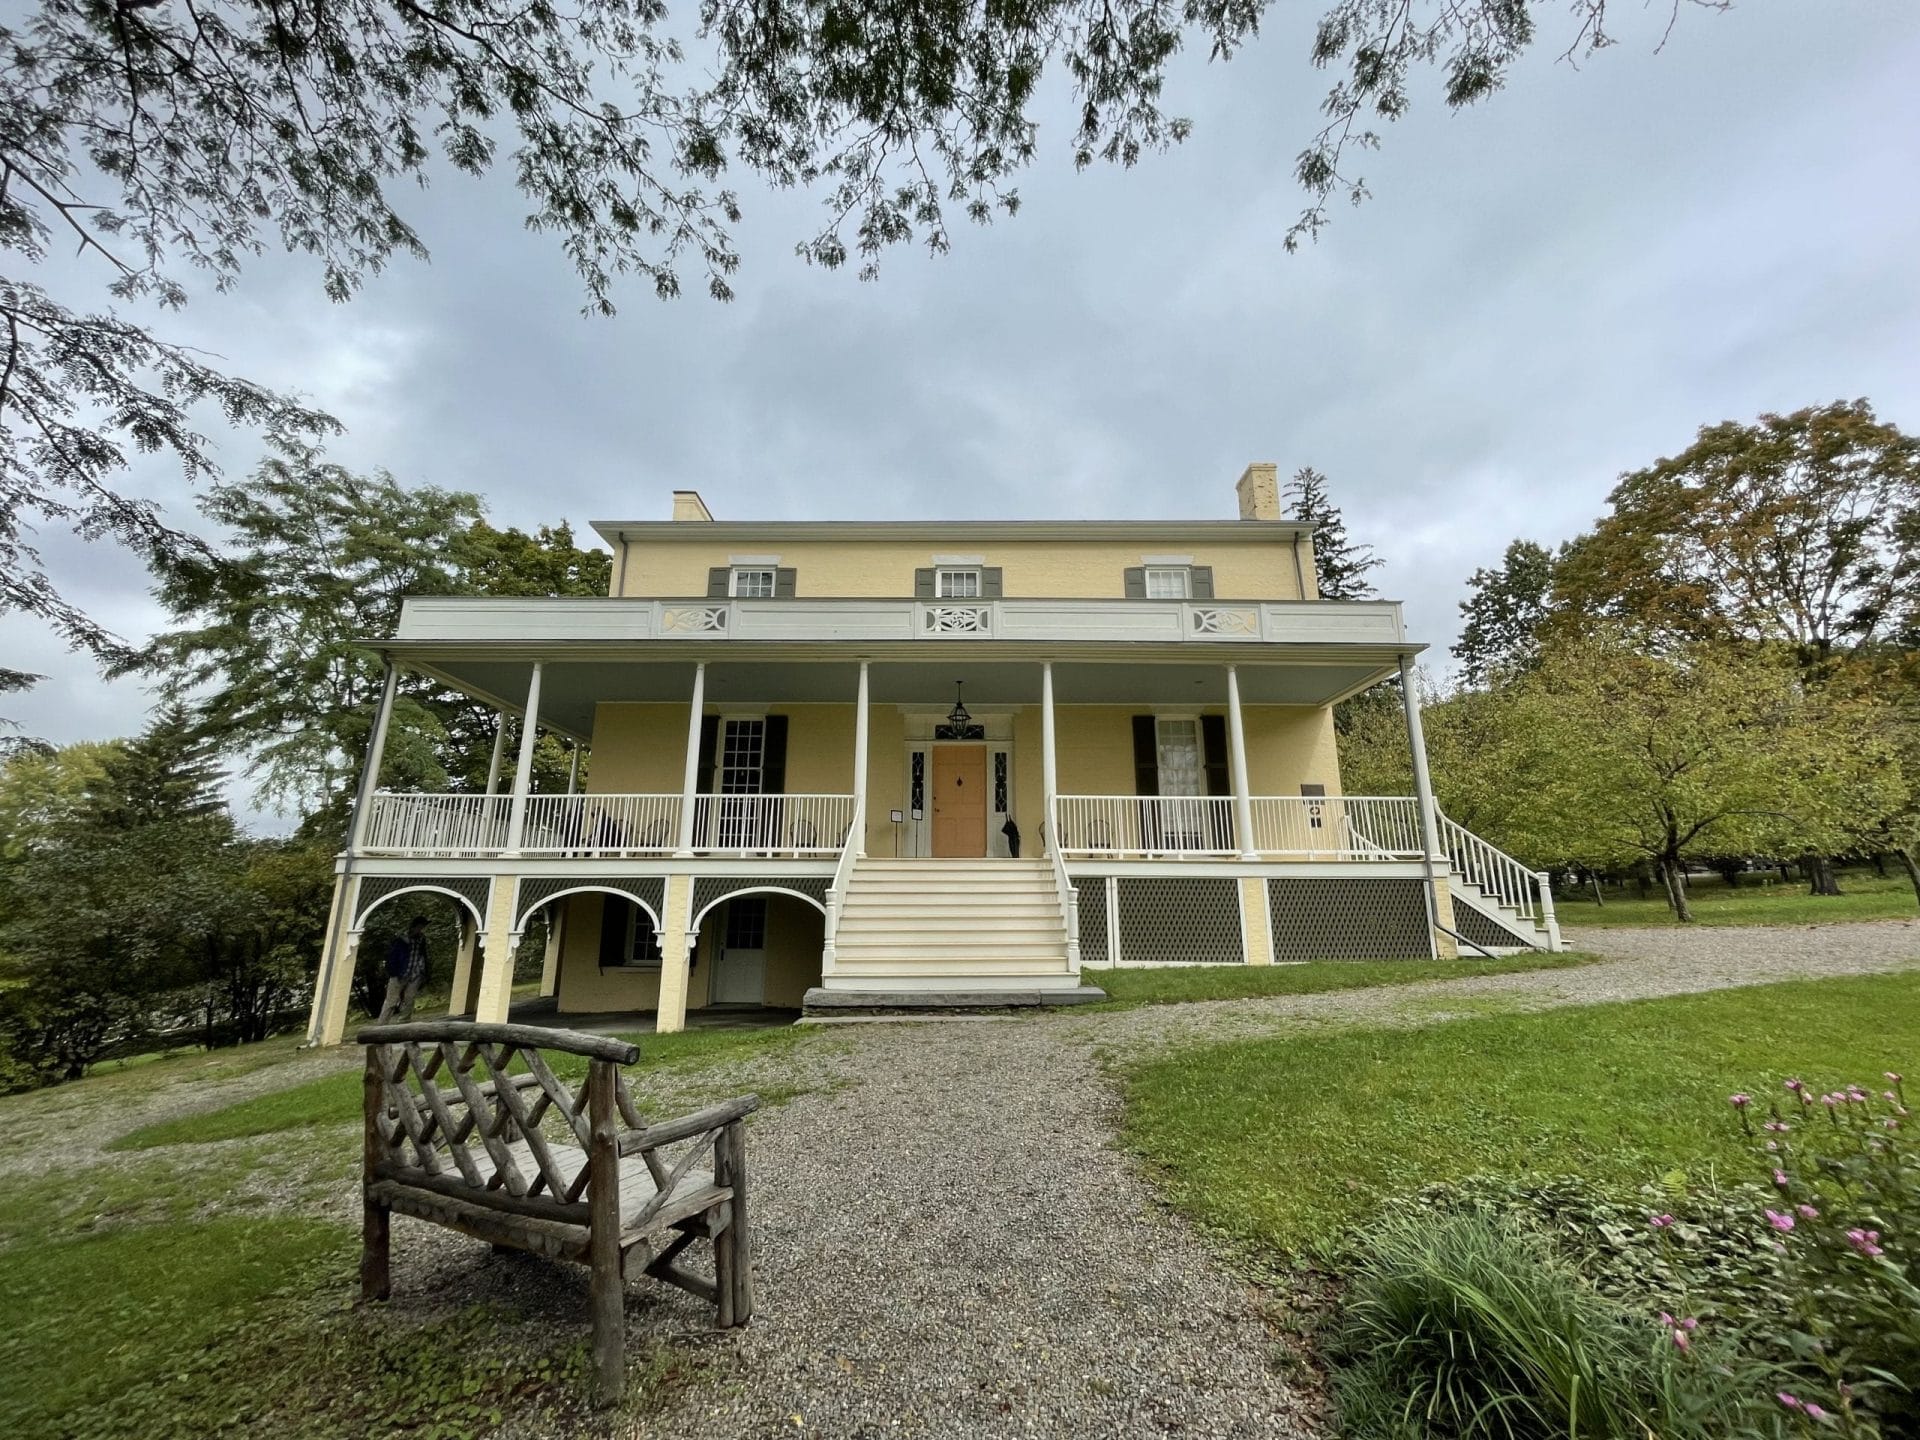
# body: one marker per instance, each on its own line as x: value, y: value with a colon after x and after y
x: 958, y: 585
x: 752, y: 583
x: 1167, y: 582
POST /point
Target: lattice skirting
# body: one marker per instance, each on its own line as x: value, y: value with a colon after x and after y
x: 1179, y: 919
x: 1483, y: 930
x: 1092, y: 890
x: 375, y: 888
x: 535, y: 891
x: 1321, y: 918
x: 709, y: 888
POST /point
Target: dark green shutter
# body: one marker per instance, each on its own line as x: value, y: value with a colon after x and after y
x: 1134, y: 580
x: 1213, y: 748
x: 923, y: 583
x: 773, y: 762
x: 1146, y: 757
x: 1200, y: 582
x: 990, y: 582
x: 613, y: 930
x: 783, y: 583
x: 717, y: 580
x: 709, y: 744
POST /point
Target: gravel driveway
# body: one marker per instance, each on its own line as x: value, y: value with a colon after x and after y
x: 949, y: 1246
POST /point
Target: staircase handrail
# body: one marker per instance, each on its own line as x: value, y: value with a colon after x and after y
x: 1485, y: 865
x: 837, y: 898
x: 1063, y: 883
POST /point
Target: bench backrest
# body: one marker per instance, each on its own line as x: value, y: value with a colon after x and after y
x: 457, y: 1107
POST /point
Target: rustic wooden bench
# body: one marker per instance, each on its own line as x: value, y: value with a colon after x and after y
x: 454, y: 1135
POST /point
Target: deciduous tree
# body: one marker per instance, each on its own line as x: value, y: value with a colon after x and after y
x: 1504, y: 613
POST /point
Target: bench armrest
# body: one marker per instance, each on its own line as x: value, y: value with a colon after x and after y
x: 667, y: 1131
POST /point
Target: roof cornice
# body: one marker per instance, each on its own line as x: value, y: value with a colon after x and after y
x: 943, y: 532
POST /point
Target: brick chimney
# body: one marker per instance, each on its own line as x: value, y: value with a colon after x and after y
x: 1259, y: 491
x: 687, y: 505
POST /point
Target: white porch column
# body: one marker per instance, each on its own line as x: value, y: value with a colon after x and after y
x: 1237, y: 747
x: 370, y: 769
x: 499, y: 752
x: 690, y: 777
x: 1439, y: 897
x: 860, y: 768
x: 523, y: 772
x: 573, y: 771
x: 1417, y: 742
x: 1049, y: 770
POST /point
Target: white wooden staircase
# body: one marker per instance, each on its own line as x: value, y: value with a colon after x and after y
x: 951, y: 926
x: 1499, y: 905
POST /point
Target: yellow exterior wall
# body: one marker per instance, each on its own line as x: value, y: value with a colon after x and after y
x: 640, y: 749
x: 795, y: 933
x: 1040, y: 569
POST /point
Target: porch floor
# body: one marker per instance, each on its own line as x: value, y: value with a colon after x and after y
x: 541, y: 1010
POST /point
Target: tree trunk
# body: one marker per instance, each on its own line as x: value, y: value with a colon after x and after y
x: 1599, y: 900
x: 1913, y: 871
x: 1820, y: 879
x: 1880, y: 864
x: 1670, y: 871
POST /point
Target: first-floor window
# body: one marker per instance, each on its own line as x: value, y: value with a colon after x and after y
x: 753, y: 584
x: 747, y: 923
x: 958, y: 585
x: 1178, y: 743
x: 643, y: 943
x: 1167, y: 582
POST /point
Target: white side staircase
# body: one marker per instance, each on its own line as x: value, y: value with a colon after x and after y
x: 1499, y: 905
x: 950, y: 926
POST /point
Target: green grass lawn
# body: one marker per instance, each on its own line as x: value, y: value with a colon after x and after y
x: 336, y: 1099
x: 1178, y: 984
x: 174, y: 1294
x: 1281, y: 1142
x: 1759, y: 899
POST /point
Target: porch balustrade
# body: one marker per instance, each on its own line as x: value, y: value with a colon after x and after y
x: 1285, y: 827
x: 609, y: 825
x: 1344, y: 827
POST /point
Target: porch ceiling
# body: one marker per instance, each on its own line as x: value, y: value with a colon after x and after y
x: 571, y: 688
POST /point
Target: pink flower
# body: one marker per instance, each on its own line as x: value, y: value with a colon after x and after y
x: 1890, y: 1123
x: 1680, y: 1341
x: 1889, y: 1095
x: 1778, y: 1127
x: 1806, y: 1097
x: 1740, y: 1101
x: 1792, y: 1402
x: 1831, y: 1100
x: 1865, y: 1241
x: 1807, y: 1212
x: 1661, y: 1222
x: 1796, y: 1086
x: 1814, y: 1412
x: 1856, y: 1094
x: 1779, y: 1221
x: 1891, y: 1075
x: 1780, y: 1178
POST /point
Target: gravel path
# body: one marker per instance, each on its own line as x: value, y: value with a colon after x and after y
x: 949, y: 1246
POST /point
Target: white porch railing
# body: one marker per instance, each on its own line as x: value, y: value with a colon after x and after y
x: 601, y: 824
x: 1146, y: 825
x: 436, y: 824
x: 1495, y: 872
x: 1341, y: 827
x: 772, y: 824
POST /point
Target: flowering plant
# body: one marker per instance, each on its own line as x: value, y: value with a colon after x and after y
x: 1843, y: 1218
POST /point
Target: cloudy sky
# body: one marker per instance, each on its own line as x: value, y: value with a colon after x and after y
x: 1558, y: 285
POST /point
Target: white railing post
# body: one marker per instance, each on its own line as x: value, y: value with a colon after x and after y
x: 690, y: 777
x: 859, y: 837
x: 523, y: 772
x: 1545, y: 881
x: 1242, y: 795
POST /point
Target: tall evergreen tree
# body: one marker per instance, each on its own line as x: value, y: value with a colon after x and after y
x: 1504, y: 611
x: 1340, y: 566
x: 168, y: 773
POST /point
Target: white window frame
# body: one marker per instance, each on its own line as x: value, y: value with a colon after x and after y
x: 1199, y: 752
x: 1181, y: 576
x: 740, y: 572
x: 970, y: 574
x: 637, y: 962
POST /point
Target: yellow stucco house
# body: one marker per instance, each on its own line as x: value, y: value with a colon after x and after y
x: 860, y: 763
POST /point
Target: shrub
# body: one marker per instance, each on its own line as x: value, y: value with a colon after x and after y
x: 1465, y: 1325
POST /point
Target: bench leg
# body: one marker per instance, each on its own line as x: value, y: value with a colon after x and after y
x: 739, y: 1232
x: 375, y: 1242
x: 725, y: 1261
x: 609, y: 1300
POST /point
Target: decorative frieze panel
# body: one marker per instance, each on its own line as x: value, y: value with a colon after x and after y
x: 474, y: 889
x: 694, y: 619
x: 957, y: 620
x: 1224, y: 622
x: 648, y: 890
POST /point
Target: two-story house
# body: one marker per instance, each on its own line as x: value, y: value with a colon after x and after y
x: 874, y: 761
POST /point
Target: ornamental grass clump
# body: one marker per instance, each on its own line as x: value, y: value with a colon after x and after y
x: 1463, y: 1325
